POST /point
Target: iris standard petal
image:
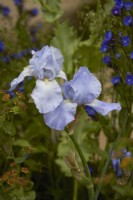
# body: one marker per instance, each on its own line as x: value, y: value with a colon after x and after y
x: 85, y: 85
x: 20, y: 78
x: 61, y: 116
x: 103, y: 107
x: 62, y: 75
x: 47, y: 95
x: 46, y: 63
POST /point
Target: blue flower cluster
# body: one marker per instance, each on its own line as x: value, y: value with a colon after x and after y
x: 120, y: 5
x: 57, y: 102
x: 117, y: 46
x: 117, y: 158
x: 5, y: 10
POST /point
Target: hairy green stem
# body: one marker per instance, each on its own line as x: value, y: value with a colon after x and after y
x: 90, y: 187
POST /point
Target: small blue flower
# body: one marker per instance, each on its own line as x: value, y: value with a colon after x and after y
x: 129, y: 79
x: 116, y: 11
x: 106, y: 60
x: 108, y: 36
x: 125, y: 40
x: 34, y: 12
x: 18, y: 2
x: 118, y: 55
x: 21, y: 89
x: 104, y: 48
x: 6, y: 11
x: 2, y: 47
x: 128, y: 20
x: 116, y: 80
x: 118, y: 3
x: 128, y: 5
x: 11, y: 93
x: 131, y: 55
x: 6, y: 59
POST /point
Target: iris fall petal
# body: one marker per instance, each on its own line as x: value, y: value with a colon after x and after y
x: 47, y: 95
x: 103, y: 107
x: 61, y: 116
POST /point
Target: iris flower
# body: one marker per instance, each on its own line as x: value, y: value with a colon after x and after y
x: 45, y: 66
x: 82, y: 90
x: 56, y: 102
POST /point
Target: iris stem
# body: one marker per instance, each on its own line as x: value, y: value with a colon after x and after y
x: 84, y: 163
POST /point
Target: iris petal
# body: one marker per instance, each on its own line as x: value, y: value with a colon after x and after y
x: 85, y: 85
x: 62, y: 75
x: 103, y: 107
x: 61, y: 116
x: 46, y: 63
x: 20, y: 78
x: 47, y: 95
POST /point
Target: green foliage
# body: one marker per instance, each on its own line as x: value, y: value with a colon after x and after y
x: 51, y: 9
x: 67, y: 43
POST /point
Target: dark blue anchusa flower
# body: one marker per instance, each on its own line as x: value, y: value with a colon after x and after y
x: 104, y: 48
x: 6, y: 11
x: 11, y: 93
x: 116, y: 80
x: 90, y: 111
x: 118, y: 55
x: 128, y: 20
x: 128, y: 5
x: 1, y: 46
x: 129, y: 79
x: 34, y: 12
x: 116, y: 11
x: 106, y: 60
x: 125, y: 40
x: 119, y: 3
x: 18, y: 2
x: 131, y: 55
x: 33, y: 30
x: 17, y: 55
x: 116, y: 167
x: 6, y: 59
x: 21, y: 89
x: 108, y: 36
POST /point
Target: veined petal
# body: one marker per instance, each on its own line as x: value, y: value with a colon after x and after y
x: 84, y: 87
x: 46, y: 63
x: 61, y: 116
x: 62, y: 75
x: 20, y: 78
x: 47, y: 95
x: 103, y: 107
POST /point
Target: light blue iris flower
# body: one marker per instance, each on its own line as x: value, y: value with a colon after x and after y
x: 84, y: 89
x: 45, y: 66
x: 58, y: 103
